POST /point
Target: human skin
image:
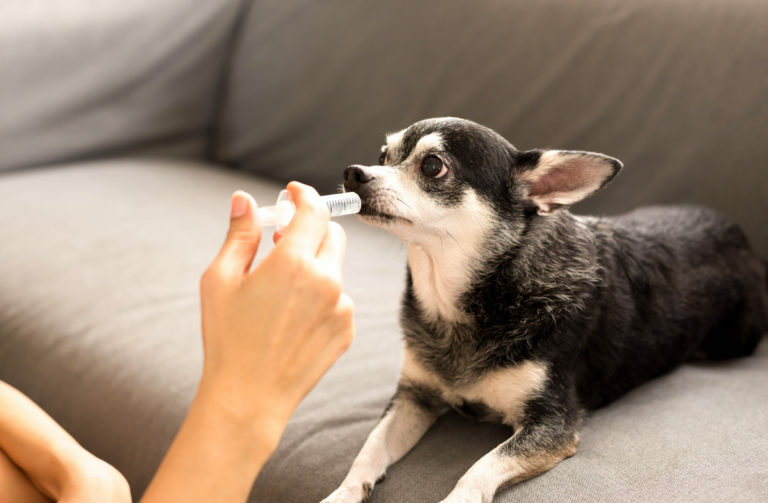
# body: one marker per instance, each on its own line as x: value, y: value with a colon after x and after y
x: 39, y: 461
x: 269, y: 333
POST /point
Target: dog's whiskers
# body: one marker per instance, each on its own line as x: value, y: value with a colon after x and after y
x: 405, y: 204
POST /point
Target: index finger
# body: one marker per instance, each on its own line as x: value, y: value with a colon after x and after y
x: 307, y: 228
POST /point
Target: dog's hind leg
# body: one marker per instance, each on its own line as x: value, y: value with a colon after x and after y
x: 532, y: 450
x: 737, y: 335
x: 742, y: 328
x: 409, y: 415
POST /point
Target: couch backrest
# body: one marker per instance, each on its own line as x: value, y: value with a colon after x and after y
x: 81, y: 78
x: 677, y: 89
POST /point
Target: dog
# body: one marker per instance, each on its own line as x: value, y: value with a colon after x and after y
x: 517, y: 311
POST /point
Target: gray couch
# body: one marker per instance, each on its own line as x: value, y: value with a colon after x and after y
x: 125, y: 126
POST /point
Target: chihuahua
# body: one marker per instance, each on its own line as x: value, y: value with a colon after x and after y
x: 517, y: 311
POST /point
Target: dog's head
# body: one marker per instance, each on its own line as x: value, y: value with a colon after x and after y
x: 446, y: 176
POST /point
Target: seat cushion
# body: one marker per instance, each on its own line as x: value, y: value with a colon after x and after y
x: 99, y: 323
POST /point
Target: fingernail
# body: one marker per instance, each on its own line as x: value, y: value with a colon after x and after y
x: 239, y: 205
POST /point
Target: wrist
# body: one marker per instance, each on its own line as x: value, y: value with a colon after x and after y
x: 255, y: 420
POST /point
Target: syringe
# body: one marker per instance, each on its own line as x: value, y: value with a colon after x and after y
x: 347, y: 203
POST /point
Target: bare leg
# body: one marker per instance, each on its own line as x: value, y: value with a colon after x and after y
x: 15, y: 485
x: 411, y: 413
x: 533, y: 450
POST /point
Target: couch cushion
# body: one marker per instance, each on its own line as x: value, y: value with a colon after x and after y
x: 674, y: 88
x: 99, y: 323
x: 81, y: 78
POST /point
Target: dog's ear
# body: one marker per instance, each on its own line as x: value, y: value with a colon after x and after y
x: 552, y: 179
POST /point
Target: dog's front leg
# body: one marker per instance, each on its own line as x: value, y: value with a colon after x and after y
x: 532, y: 450
x: 410, y: 414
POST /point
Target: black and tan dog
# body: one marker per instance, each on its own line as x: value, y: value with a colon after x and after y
x: 517, y: 311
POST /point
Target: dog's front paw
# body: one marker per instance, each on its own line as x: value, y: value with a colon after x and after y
x: 350, y: 494
x: 463, y: 498
x: 462, y: 495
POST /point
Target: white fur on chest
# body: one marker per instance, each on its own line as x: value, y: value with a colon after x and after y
x: 438, y: 280
x: 504, y: 390
x: 442, y: 263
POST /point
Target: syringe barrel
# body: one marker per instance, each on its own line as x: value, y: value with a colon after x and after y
x: 281, y: 213
x: 347, y: 203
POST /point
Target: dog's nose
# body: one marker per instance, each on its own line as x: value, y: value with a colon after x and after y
x: 354, y: 176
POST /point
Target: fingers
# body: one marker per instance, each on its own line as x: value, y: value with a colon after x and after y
x: 307, y: 229
x: 242, y: 241
x: 333, y: 247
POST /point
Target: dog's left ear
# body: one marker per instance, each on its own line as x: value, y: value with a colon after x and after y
x: 553, y: 179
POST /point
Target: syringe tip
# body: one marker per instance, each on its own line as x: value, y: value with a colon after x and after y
x: 346, y: 203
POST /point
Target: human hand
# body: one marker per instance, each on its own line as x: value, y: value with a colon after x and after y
x: 269, y: 334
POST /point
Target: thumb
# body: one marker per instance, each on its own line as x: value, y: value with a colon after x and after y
x: 243, y: 237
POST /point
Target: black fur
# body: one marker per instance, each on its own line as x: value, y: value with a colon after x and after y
x: 423, y: 397
x: 632, y: 301
x: 632, y: 296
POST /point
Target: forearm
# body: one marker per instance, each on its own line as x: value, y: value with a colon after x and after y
x: 218, y: 452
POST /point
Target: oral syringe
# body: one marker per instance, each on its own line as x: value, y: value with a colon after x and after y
x: 347, y: 203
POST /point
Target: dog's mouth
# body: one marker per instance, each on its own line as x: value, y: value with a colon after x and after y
x: 371, y: 212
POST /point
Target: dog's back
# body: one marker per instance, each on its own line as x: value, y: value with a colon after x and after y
x: 674, y: 280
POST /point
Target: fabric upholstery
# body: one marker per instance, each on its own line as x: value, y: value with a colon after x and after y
x: 100, y: 261
x: 99, y: 324
x: 674, y: 88
x: 82, y: 79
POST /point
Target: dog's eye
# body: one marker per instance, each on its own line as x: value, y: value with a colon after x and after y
x: 383, y: 155
x: 433, y: 167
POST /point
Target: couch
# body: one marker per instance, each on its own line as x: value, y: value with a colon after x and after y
x: 125, y: 126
